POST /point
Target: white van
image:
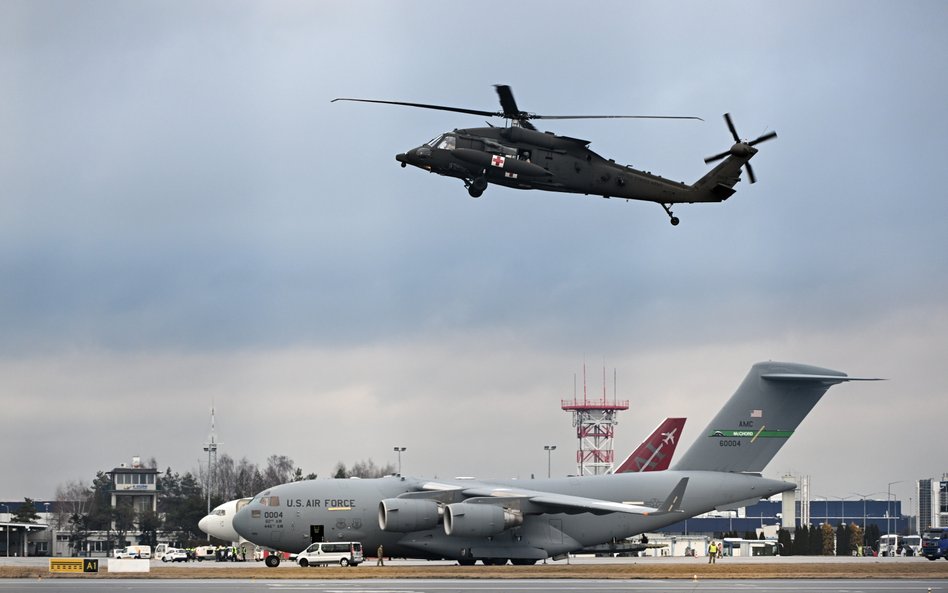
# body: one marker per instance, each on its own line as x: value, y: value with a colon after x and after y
x: 138, y: 552
x: 341, y: 553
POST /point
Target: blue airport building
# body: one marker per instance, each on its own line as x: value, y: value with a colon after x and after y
x: 886, y: 515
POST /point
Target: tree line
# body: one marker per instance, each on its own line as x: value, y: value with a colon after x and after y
x: 85, y: 511
x: 825, y: 540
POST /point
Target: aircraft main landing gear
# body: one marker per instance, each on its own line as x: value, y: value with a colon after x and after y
x: 477, y: 186
x: 672, y: 218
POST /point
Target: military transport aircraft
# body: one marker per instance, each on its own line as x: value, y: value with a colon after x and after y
x: 496, y: 521
x: 654, y: 454
x: 522, y: 157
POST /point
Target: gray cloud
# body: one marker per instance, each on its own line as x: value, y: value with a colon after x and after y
x: 185, y: 217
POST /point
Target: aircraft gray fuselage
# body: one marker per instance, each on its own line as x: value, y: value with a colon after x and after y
x: 348, y: 510
x: 528, y: 520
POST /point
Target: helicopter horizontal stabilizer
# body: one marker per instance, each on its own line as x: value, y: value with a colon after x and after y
x: 723, y: 192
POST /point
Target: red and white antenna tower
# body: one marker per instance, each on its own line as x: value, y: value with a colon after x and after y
x: 595, y: 422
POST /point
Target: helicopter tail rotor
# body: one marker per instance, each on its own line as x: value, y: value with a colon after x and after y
x: 741, y: 148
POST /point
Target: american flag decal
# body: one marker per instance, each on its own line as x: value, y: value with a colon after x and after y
x: 757, y: 413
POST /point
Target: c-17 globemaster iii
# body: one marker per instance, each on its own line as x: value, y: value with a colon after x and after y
x: 496, y: 521
x: 654, y: 454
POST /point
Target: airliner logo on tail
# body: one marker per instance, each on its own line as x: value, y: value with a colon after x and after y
x: 655, y: 453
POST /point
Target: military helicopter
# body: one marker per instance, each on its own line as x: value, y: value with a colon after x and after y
x: 519, y: 156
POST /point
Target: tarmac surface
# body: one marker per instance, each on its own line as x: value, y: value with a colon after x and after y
x: 674, y: 568
x: 472, y: 586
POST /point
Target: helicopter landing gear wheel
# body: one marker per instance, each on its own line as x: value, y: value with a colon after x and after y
x: 477, y: 186
x: 672, y: 218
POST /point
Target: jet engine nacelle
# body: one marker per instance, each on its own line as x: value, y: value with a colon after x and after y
x: 406, y: 514
x: 478, y: 520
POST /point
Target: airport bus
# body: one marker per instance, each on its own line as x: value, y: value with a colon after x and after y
x: 912, y: 545
x: 888, y: 545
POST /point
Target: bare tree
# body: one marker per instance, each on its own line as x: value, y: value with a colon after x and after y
x: 225, y: 477
x: 247, y: 479
x: 364, y: 469
x: 72, y: 498
x: 279, y: 470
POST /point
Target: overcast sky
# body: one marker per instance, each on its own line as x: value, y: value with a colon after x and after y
x: 186, y: 220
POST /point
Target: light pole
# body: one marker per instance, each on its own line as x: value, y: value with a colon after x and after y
x: 399, y: 451
x: 842, y: 508
x: 7, y: 529
x: 863, y: 497
x: 888, y: 510
x: 549, y: 451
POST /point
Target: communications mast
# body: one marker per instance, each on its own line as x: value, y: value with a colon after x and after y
x: 595, y: 422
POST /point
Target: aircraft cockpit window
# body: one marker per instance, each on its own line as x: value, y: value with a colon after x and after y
x: 447, y: 142
x: 270, y: 501
x: 433, y: 142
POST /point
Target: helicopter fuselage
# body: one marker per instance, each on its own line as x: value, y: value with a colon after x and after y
x: 528, y: 159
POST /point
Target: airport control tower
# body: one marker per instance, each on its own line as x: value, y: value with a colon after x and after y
x: 595, y: 422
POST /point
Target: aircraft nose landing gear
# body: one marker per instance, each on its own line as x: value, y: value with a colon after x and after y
x: 672, y: 218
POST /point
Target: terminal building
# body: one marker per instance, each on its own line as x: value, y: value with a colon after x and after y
x: 50, y: 536
x: 886, y: 515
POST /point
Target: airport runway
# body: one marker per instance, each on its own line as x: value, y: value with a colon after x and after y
x: 472, y: 586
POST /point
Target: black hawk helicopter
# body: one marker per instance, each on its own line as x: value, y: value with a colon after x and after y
x: 521, y: 157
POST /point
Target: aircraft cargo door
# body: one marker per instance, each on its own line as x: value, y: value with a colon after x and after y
x: 316, y: 533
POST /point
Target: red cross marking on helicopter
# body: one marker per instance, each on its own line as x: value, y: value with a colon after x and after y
x: 497, y: 161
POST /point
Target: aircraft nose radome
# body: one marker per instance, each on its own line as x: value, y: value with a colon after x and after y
x: 240, y: 522
x: 205, y: 523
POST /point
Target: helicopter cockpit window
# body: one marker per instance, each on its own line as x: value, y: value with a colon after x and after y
x: 447, y: 142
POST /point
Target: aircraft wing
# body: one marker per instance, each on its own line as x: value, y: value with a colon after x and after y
x: 533, y: 501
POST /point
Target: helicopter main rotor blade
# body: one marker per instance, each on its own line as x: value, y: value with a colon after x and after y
x: 509, y: 105
x: 510, y: 110
x: 427, y: 106
x: 534, y: 116
x: 507, y: 102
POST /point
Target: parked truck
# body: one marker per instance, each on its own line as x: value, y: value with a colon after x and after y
x: 935, y: 543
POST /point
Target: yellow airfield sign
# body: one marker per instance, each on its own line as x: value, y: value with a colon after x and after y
x: 73, y: 565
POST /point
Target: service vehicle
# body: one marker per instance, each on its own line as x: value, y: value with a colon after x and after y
x: 202, y: 553
x: 174, y: 555
x: 935, y: 543
x: 133, y: 552
x: 341, y: 553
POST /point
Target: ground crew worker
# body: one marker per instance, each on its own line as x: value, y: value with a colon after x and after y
x: 379, y: 552
x: 712, y: 552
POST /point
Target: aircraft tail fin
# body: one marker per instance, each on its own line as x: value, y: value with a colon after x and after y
x: 759, y: 418
x: 655, y: 453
